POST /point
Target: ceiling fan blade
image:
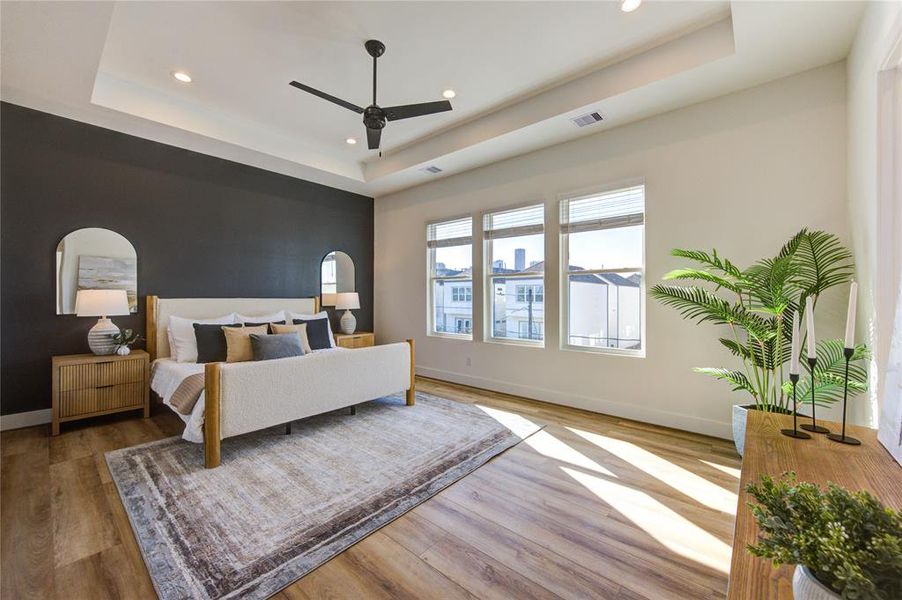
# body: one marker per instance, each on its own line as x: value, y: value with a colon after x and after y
x: 373, y: 136
x: 326, y: 96
x: 406, y: 111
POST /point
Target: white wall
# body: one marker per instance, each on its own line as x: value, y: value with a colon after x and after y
x: 870, y: 224
x: 740, y: 173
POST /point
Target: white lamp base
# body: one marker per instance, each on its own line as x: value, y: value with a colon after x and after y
x: 348, y: 322
x: 100, y: 338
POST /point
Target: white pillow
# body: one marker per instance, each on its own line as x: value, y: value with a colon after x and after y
x: 320, y: 315
x: 184, y: 343
x: 277, y: 316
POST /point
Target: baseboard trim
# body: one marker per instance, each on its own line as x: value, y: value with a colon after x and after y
x: 25, y: 419
x: 617, y: 409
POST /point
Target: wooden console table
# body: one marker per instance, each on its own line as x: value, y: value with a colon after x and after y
x: 869, y: 467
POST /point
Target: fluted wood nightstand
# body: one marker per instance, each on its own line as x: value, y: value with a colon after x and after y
x: 87, y: 385
x: 358, y: 339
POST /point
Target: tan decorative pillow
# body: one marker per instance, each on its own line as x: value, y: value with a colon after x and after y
x: 301, y: 329
x: 238, y: 342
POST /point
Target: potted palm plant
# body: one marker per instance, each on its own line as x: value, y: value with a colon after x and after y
x: 844, y: 544
x: 757, y: 305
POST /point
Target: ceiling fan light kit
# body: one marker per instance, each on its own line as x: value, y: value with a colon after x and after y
x: 374, y: 116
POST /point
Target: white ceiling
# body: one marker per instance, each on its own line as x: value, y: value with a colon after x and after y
x: 520, y: 71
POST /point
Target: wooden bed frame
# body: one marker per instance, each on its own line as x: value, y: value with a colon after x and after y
x: 213, y: 389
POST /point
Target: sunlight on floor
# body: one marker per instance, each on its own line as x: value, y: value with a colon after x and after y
x: 696, y: 487
x: 547, y: 445
x: 723, y: 468
x: 519, y: 425
x: 671, y: 529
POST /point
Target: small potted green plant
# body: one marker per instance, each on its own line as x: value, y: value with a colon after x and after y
x: 844, y: 544
x: 123, y: 340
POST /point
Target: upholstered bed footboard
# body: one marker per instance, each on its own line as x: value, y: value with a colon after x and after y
x: 249, y: 396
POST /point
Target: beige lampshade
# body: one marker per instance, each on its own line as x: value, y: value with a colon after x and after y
x: 101, y: 303
x: 347, y: 301
x: 329, y: 299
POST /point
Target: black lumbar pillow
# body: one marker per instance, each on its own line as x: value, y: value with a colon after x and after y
x: 279, y: 345
x: 268, y: 323
x: 211, y: 342
x: 317, y: 333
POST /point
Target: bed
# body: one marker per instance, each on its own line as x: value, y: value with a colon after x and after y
x: 241, y: 397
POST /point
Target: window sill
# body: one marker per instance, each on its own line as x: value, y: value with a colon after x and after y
x: 515, y: 342
x: 608, y: 351
x: 451, y: 336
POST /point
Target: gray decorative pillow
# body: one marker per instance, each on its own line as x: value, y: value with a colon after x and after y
x: 279, y: 345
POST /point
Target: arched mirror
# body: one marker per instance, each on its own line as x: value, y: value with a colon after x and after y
x: 337, y: 276
x: 95, y: 259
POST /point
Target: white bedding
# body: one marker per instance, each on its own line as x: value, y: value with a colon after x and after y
x: 165, y: 377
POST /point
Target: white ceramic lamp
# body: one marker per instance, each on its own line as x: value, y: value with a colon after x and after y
x: 347, y: 301
x: 103, y: 304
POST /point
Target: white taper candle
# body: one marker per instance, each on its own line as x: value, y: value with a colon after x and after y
x: 850, y: 316
x: 794, y: 357
x: 809, y: 319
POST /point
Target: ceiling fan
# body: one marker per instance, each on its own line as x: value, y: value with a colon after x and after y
x: 374, y: 116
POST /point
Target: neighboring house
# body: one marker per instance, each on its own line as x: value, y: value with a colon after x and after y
x: 605, y: 308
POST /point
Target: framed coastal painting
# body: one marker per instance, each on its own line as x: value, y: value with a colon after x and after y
x: 110, y: 273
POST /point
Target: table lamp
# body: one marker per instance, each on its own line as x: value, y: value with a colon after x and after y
x: 103, y: 304
x: 347, y: 301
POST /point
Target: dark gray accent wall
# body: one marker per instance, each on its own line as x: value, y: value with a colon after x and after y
x: 201, y: 226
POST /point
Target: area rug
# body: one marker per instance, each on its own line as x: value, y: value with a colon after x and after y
x: 281, y: 505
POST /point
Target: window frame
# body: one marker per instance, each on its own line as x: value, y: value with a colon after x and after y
x: 431, y: 279
x: 489, y: 276
x: 564, y: 271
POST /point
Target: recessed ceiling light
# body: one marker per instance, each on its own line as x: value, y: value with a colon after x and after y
x: 351, y: 141
x: 630, y: 5
x: 182, y: 76
x: 449, y: 94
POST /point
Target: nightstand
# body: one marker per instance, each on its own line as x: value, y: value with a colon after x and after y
x: 87, y: 385
x: 359, y: 339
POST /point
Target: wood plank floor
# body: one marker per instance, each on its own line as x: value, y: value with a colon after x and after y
x: 590, y: 507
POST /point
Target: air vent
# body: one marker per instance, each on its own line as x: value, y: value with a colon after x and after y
x: 431, y: 169
x: 589, y: 119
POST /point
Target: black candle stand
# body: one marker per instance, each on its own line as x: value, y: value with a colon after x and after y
x: 844, y: 439
x: 813, y: 427
x: 794, y: 432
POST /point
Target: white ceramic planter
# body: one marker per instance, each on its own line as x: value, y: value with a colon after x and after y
x: 740, y: 415
x: 806, y: 587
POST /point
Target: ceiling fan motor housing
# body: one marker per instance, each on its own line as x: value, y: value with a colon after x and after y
x: 373, y: 117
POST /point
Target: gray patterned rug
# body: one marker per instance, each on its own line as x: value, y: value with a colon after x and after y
x: 281, y: 505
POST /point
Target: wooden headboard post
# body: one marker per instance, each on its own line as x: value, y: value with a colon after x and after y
x: 151, y: 333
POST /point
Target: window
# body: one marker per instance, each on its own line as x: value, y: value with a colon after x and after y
x: 462, y: 326
x: 462, y: 294
x: 449, y: 247
x: 515, y: 273
x: 603, y: 264
x: 530, y: 293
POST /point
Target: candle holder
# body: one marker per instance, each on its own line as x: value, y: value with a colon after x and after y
x: 844, y: 439
x: 813, y: 427
x: 794, y: 432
